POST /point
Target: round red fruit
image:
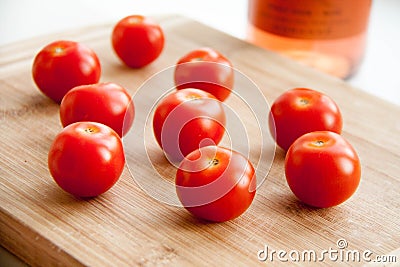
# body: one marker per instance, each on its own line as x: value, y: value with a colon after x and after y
x: 205, y: 69
x: 62, y: 65
x: 107, y: 103
x: 186, y: 120
x: 322, y: 169
x: 302, y: 110
x: 137, y: 40
x: 86, y: 158
x: 215, y: 183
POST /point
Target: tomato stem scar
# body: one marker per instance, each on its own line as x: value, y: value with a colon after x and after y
x: 58, y: 50
x: 214, y: 162
x: 304, y: 101
x: 192, y: 97
x: 89, y: 130
x: 319, y: 143
x: 196, y: 59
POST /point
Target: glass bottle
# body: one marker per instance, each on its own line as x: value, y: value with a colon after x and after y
x: 329, y: 35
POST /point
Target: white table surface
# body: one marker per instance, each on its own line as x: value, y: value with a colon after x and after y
x: 23, y: 19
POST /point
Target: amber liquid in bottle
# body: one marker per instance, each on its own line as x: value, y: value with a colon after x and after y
x: 329, y: 35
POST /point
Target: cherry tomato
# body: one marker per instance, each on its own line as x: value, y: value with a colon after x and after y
x: 86, y: 158
x: 302, y: 110
x: 186, y: 120
x: 205, y: 69
x: 322, y: 169
x: 107, y: 103
x: 137, y: 40
x: 62, y: 65
x: 215, y: 183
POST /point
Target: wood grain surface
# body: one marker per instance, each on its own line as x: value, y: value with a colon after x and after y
x: 45, y: 226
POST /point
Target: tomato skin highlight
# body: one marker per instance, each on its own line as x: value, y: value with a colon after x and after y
x: 107, y: 103
x: 86, y: 159
x: 62, y: 65
x: 215, y: 183
x: 137, y: 40
x: 322, y: 169
x: 187, y: 119
x: 302, y: 110
x: 205, y: 69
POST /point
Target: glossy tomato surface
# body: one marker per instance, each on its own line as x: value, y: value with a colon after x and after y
x: 215, y: 183
x: 137, y: 40
x: 107, y: 103
x: 86, y: 158
x: 322, y: 169
x: 205, y: 69
x: 186, y: 120
x: 62, y: 65
x: 302, y: 110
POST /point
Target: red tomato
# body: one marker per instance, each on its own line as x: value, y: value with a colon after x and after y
x: 299, y: 111
x: 205, y: 69
x: 62, y: 65
x: 137, y: 40
x: 186, y: 120
x: 86, y: 158
x: 215, y: 183
x: 322, y: 169
x: 107, y: 103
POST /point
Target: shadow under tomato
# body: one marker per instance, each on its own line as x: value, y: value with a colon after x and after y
x: 293, y: 207
x: 56, y: 195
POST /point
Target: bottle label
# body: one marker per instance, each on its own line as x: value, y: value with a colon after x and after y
x: 310, y: 19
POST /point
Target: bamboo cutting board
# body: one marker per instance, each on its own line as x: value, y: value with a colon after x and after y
x: 127, y: 227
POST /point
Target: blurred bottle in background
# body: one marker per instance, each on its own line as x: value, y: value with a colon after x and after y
x: 329, y: 35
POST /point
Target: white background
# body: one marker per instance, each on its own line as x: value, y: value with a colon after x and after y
x: 378, y: 75
x: 23, y: 19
